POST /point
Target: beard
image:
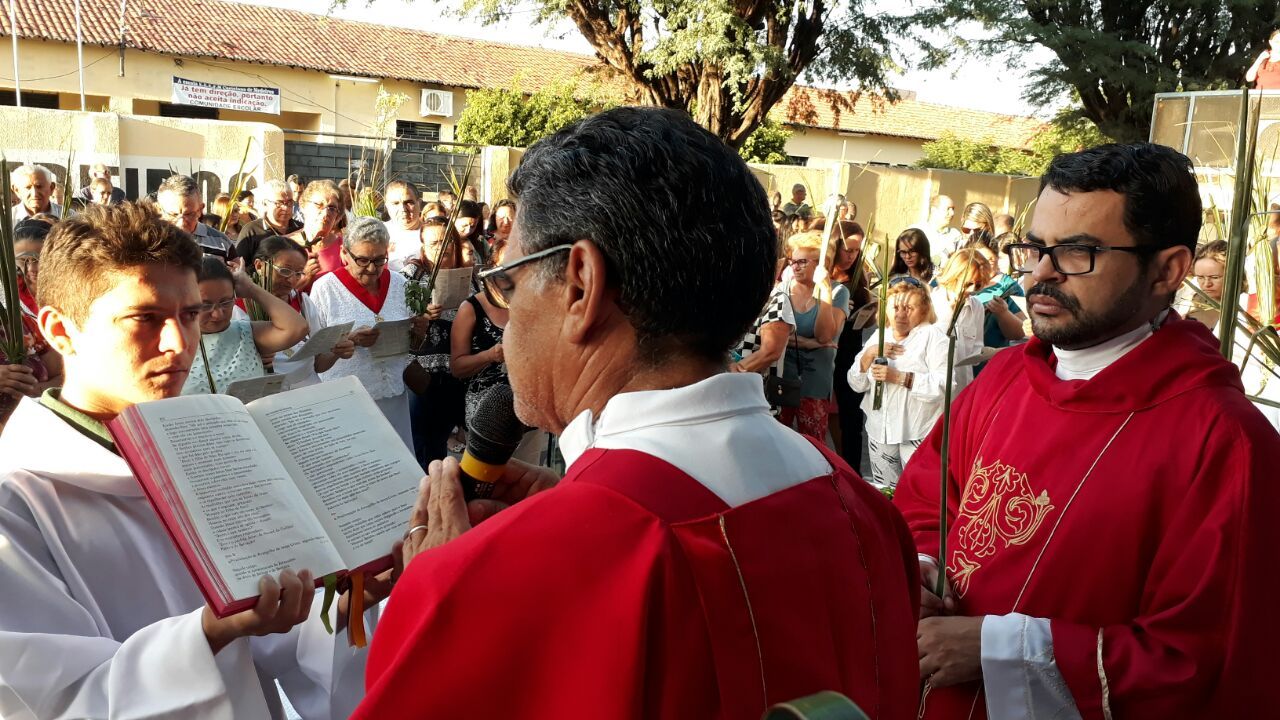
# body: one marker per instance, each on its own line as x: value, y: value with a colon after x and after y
x: 1086, y: 329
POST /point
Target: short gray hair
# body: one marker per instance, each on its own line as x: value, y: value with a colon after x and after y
x: 181, y: 185
x: 29, y: 169
x: 366, y: 230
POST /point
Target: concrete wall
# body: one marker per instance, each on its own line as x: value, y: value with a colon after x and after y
x: 827, y: 145
x: 310, y: 100
x: 891, y: 199
x: 141, y: 150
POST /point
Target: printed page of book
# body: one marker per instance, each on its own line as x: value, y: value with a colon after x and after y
x: 321, y: 341
x: 239, y: 498
x: 394, y: 338
x: 453, y: 287
x: 352, y: 467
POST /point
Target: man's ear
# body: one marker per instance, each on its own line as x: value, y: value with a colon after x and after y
x: 58, y: 330
x: 1172, y: 266
x: 586, y: 286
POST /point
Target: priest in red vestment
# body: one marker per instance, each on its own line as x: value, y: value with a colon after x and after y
x: 1111, y: 491
x: 699, y: 560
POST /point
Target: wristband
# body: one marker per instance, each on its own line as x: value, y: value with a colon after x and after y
x: 909, y: 380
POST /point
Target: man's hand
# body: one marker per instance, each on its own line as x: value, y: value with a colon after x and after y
x: 950, y: 650
x: 281, y: 605
x: 17, y: 380
x: 441, y: 514
x: 930, y: 603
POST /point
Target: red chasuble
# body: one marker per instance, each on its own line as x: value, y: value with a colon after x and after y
x: 631, y: 591
x: 373, y: 301
x: 1136, y: 511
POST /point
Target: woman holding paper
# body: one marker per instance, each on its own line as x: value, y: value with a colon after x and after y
x: 365, y: 292
x: 232, y: 349
x: 283, y: 266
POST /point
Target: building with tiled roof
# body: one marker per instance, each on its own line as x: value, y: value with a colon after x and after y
x: 325, y: 73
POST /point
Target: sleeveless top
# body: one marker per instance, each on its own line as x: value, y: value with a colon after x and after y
x: 484, y: 336
x: 1268, y: 76
x: 233, y: 355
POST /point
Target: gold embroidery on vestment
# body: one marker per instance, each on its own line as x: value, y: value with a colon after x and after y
x: 998, y: 510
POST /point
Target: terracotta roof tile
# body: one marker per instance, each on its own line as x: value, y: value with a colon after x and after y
x: 861, y: 113
x: 274, y: 36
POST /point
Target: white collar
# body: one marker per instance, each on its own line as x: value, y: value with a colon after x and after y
x: 719, y: 396
x: 1084, y: 363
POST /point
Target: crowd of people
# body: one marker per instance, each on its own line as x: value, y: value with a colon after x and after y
x: 1103, y: 486
x: 812, y: 333
x: 293, y: 261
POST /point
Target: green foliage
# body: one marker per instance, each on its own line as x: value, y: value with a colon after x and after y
x: 767, y: 144
x: 726, y: 63
x: 1115, y: 55
x: 1065, y: 134
x: 515, y: 118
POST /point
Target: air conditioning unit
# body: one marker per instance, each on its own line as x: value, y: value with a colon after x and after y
x: 436, y: 103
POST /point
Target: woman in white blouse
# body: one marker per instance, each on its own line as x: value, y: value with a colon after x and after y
x: 914, y: 375
x: 362, y: 290
x: 966, y: 270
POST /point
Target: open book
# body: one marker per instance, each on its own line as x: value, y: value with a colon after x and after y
x: 311, y: 479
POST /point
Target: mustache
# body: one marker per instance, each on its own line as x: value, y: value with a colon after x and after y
x: 1053, y: 293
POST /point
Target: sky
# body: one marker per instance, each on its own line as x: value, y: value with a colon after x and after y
x: 970, y: 84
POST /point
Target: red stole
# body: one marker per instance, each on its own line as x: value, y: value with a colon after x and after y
x: 372, y: 301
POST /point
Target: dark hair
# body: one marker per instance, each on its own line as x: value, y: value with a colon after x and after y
x: 243, y: 194
x: 83, y: 254
x: 29, y: 229
x: 213, y: 268
x: 918, y: 241
x: 681, y: 221
x: 274, y: 245
x: 1161, y: 198
x: 180, y: 185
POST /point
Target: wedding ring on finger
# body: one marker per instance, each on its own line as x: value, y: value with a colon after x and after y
x: 414, y: 529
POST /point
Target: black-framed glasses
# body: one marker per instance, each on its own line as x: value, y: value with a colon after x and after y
x: 1068, y: 258
x: 799, y: 263
x: 367, y: 261
x: 497, y: 282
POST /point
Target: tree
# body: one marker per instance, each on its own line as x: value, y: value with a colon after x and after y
x: 725, y: 62
x: 514, y: 118
x: 768, y: 144
x: 1115, y: 54
x: 1065, y: 134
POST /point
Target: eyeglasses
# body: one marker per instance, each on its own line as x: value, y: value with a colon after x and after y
x: 908, y: 253
x: 286, y: 273
x: 222, y: 306
x: 1068, y: 258
x: 28, y: 260
x: 277, y: 202
x: 326, y: 209
x: 802, y: 262
x: 1202, y: 279
x: 497, y: 283
x: 366, y: 262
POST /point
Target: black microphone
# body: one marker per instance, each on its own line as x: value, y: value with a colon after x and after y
x: 492, y: 437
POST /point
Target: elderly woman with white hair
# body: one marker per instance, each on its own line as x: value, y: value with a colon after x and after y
x: 362, y: 290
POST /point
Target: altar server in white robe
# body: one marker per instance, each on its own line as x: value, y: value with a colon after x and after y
x: 365, y: 292
x: 100, y: 617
